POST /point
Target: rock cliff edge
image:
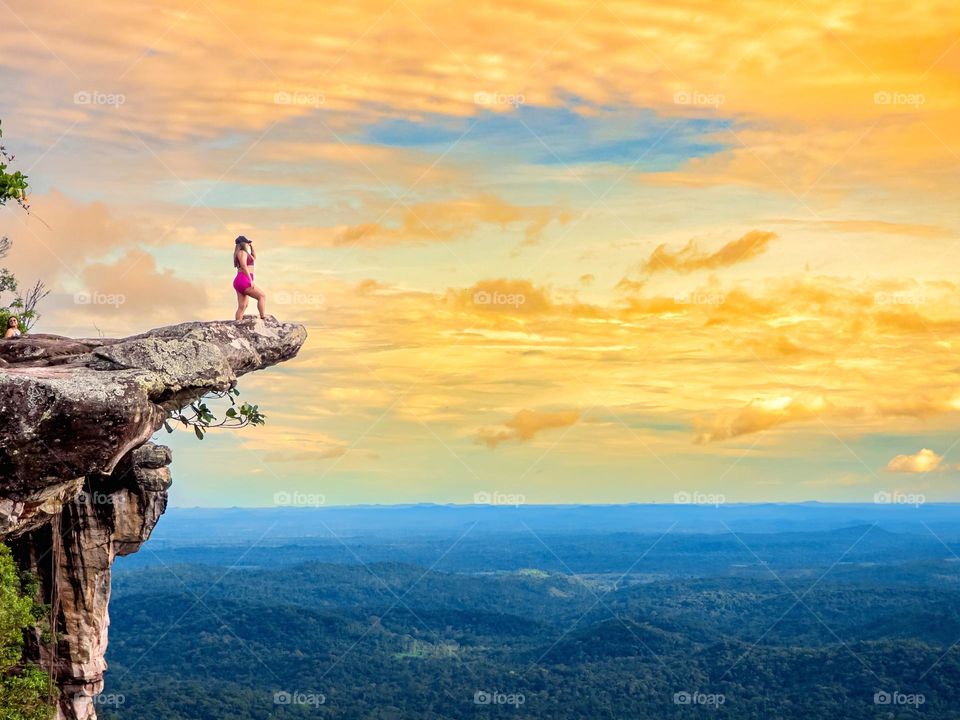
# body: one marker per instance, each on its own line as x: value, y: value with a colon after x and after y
x: 80, y: 483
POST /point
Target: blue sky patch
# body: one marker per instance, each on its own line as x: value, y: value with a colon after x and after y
x: 558, y: 136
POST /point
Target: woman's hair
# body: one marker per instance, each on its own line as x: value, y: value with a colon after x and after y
x: 241, y: 243
x: 11, y: 320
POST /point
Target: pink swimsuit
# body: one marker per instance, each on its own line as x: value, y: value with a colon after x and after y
x: 241, y: 282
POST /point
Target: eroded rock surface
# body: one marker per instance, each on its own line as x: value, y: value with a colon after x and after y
x: 79, y: 481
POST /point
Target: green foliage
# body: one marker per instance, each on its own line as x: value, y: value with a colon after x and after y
x: 23, y: 688
x: 201, y: 418
x: 26, y: 318
x: 13, y: 185
x: 8, y: 283
x: 24, y: 305
x: 573, y: 650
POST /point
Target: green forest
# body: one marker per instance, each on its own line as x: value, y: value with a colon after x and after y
x: 390, y: 640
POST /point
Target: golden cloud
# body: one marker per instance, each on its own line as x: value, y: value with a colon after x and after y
x: 924, y: 461
x: 526, y: 424
x: 814, y: 122
x: 293, y: 456
x: 133, y: 285
x: 502, y: 297
x: 61, y: 235
x: 918, y: 230
x: 916, y: 405
x: 866, y: 120
x: 692, y: 258
x: 760, y: 414
x: 443, y: 221
x: 298, y: 61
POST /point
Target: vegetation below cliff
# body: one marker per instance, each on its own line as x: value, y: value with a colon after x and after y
x: 26, y: 691
x: 251, y: 638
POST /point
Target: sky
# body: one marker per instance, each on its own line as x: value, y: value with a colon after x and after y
x: 568, y: 251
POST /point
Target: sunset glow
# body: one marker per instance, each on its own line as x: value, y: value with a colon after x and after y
x: 577, y: 251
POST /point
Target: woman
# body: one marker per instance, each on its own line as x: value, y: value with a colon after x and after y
x: 243, y: 258
x: 13, y: 327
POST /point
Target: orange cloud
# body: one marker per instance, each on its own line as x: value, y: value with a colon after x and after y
x: 874, y: 105
x: 62, y: 235
x: 310, y: 61
x: 526, y: 424
x: 924, y: 461
x: 293, y: 456
x: 629, y: 286
x: 443, y: 221
x: 898, y: 151
x: 915, y: 405
x: 813, y: 123
x: 692, y: 258
x: 918, y: 230
x: 133, y: 285
x: 760, y: 415
x: 502, y: 297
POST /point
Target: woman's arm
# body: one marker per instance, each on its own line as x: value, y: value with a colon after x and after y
x: 9, y: 333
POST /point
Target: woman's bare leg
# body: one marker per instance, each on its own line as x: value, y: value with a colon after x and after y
x: 241, y: 306
x: 261, y: 297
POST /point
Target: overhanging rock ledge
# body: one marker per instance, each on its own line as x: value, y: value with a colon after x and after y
x: 80, y: 483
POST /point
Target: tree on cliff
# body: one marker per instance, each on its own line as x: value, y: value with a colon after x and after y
x: 24, y: 689
x: 13, y: 186
x: 23, y: 305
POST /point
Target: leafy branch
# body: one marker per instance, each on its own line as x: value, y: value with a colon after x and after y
x: 199, y: 416
x: 24, y: 305
x: 13, y: 186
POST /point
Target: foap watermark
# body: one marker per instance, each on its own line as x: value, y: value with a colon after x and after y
x: 99, y: 298
x: 94, y: 97
x: 498, y: 498
x: 898, y: 497
x: 300, y: 298
x: 285, y: 697
x: 700, y: 298
x: 896, y: 697
x: 298, y: 97
x: 698, y: 498
x: 696, y: 697
x: 298, y: 499
x: 495, y: 697
x: 495, y: 297
x: 895, y: 97
x: 899, y: 297
x: 109, y: 699
x: 94, y: 498
x: 497, y: 98
x: 699, y: 99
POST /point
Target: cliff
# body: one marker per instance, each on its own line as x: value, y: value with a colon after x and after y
x: 80, y: 483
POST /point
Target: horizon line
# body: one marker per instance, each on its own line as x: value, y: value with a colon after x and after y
x: 322, y: 506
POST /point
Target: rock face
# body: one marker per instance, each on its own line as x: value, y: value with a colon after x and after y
x: 71, y: 556
x: 79, y: 481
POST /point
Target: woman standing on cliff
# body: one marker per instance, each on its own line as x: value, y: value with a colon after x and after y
x: 243, y: 258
